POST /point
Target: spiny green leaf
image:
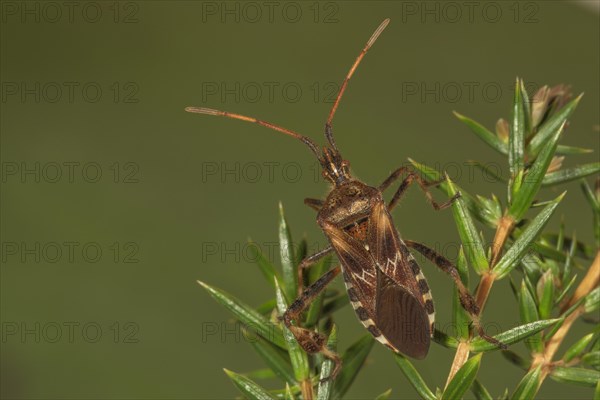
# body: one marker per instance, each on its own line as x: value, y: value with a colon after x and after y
x: 385, y: 395
x: 326, y: 385
x: 274, y: 359
x: 297, y: 355
x: 569, y: 260
x: 578, y: 376
x: 566, y: 289
x: 414, y: 378
x: 248, y: 316
x: 468, y: 233
x: 560, y: 241
x: 547, y: 295
x: 281, y: 393
x: 447, y: 341
x: 514, y: 185
x: 566, y: 150
x: 597, y: 391
x: 263, y: 373
x: 532, y: 269
x: 266, y: 267
x: 549, y: 128
x: 484, y: 134
x: 570, y: 174
x: 249, y: 389
x: 286, y: 250
x: 533, y: 180
x: 529, y: 385
x: 516, y: 139
x: 582, y: 250
x: 288, y: 392
x: 594, y: 200
x: 490, y: 209
x: 592, y: 300
x: 352, y: 360
x: 545, y: 250
x: 461, y: 382
x: 529, y: 313
x: 592, y: 359
x: 526, y: 105
x: 590, y: 195
x: 267, y: 307
x: 513, y: 335
x: 519, y: 248
x: 480, y: 392
x: 562, y: 318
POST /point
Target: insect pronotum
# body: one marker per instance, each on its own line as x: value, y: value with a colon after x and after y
x: 385, y: 284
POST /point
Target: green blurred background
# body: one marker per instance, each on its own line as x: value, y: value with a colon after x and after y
x: 98, y: 276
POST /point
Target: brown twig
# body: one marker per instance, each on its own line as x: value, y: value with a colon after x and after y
x: 307, y: 389
x: 503, y: 231
x: 589, y: 282
x: 463, y: 349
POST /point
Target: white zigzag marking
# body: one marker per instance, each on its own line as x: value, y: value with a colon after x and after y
x: 393, y: 263
x: 368, y: 280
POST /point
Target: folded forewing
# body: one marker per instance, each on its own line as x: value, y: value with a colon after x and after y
x: 401, y: 318
x: 359, y: 269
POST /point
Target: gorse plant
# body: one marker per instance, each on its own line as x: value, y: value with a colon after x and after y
x: 540, y: 266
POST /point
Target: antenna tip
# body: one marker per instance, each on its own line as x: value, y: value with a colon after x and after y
x: 378, y: 32
x: 202, y: 110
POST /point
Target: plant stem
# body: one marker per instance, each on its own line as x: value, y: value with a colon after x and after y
x: 505, y: 227
x: 307, y: 389
x: 463, y: 349
x: 589, y: 282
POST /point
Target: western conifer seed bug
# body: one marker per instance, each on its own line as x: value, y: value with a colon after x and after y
x: 384, y: 282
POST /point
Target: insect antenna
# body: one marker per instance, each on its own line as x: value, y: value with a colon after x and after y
x: 374, y: 36
x: 306, y: 140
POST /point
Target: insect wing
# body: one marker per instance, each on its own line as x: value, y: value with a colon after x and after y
x: 401, y: 318
x: 400, y: 300
x: 360, y: 271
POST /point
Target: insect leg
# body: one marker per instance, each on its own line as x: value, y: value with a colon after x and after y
x: 466, y: 300
x: 309, y: 261
x: 411, y: 176
x: 311, y: 341
x: 315, y: 204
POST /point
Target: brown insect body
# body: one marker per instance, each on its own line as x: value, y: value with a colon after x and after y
x: 384, y: 282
